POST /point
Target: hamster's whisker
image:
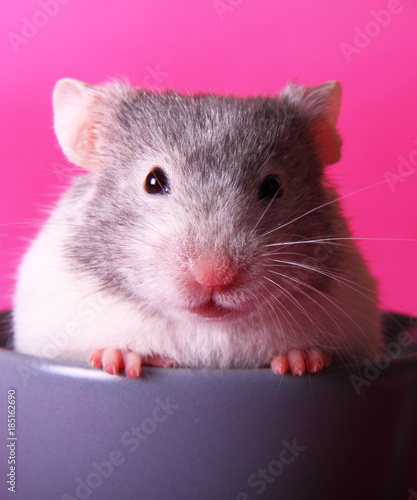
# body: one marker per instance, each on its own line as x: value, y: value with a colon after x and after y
x: 271, y: 310
x: 278, y: 302
x: 258, y: 305
x: 317, y: 327
x: 332, y: 271
x: 35, y: 223
x: 62, y: 173
x: 336, y: 277
x: 333, y: 340
x: 333, y: 240
x: 299, y: 282
x: 275, y: 317
x: 315, y: 324
x: 265, y: 211
x: 339, y: 305
x: 335, y: 200
x: 287, y: 294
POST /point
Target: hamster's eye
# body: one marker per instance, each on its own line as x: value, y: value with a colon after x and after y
x: 270, y: 188
x: 157, y: 182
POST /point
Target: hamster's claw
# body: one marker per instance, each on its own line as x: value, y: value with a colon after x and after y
x: 114, y: 360
x: 132, y: 364
x: 299, y: 361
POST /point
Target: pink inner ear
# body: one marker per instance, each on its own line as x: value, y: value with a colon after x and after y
x: 328, y: 142
x: 85, y: 146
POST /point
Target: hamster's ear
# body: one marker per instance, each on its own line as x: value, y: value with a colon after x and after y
x: 321, y: 104
x: 74, y: 123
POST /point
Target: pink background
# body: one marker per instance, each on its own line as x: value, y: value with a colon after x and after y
x: 237, y: 46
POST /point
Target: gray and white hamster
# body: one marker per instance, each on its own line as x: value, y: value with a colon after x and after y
x: 205, y: 234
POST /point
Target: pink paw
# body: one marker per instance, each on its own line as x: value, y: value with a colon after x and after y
x: 299, y: 361
x: 115, y: 360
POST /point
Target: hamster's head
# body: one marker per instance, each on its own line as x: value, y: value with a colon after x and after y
x: 201, y: 205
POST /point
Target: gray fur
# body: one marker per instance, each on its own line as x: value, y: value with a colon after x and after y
x: 219, y: 149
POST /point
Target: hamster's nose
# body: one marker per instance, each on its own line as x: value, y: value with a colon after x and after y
x: 213, y: 271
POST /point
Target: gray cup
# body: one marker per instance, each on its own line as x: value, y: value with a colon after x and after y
x: 345, y: 433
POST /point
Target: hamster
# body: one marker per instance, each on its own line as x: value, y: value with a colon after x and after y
x: 204, y: 235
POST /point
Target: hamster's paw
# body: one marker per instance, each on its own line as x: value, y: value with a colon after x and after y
x: 114, y: 360
x: 300, y: 360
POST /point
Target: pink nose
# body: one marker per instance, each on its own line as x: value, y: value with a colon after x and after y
x: 212, y: 271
